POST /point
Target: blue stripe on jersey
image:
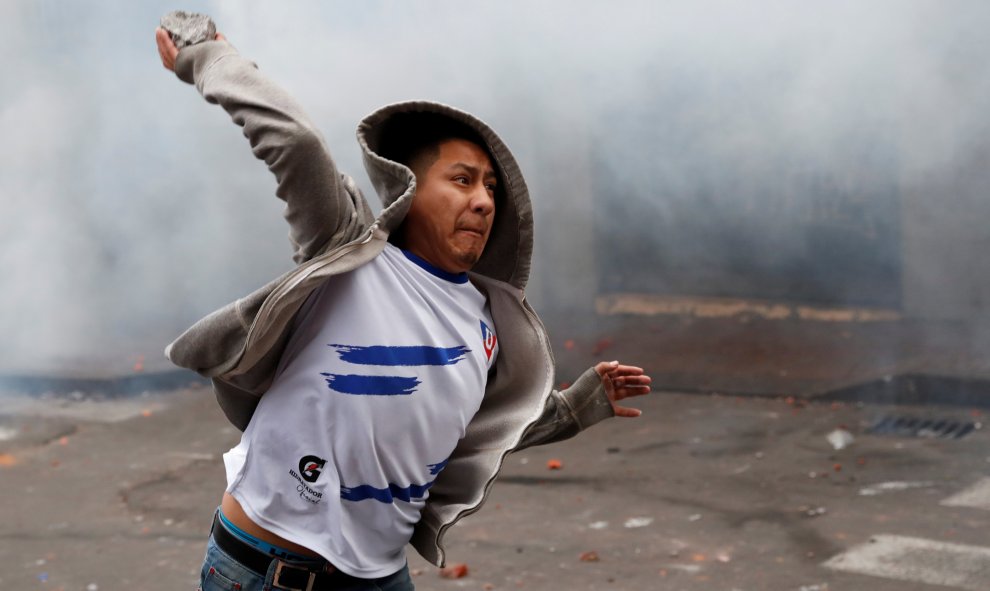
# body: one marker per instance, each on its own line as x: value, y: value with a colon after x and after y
x: 416, y: 355
x: 436, y: 271
x: 436, y: 468
x: 371, y: 385
x: 364, y: 492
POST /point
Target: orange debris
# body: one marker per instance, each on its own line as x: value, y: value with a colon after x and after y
x: 554, y: 464
x: 569, y: 344
x: 454, y: 571
x: 7, y: 460
x: 589, y: 556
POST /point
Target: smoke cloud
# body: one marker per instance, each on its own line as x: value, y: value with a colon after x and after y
x: 764, y: 149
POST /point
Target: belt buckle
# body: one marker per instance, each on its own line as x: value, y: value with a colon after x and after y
x: 278, y: 574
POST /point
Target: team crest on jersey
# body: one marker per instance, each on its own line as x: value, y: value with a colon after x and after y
x: 488, y: 340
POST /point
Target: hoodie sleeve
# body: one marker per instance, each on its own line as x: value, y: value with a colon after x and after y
x: 323, y: 207
x: 570, y: 411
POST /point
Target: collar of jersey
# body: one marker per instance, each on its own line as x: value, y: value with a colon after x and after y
x: 437, y: 271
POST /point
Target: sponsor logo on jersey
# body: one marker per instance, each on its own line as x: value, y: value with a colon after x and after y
x: 310, y: 468
x: 488, y: 340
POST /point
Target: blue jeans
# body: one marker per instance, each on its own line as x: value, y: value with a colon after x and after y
x: 223, y: 573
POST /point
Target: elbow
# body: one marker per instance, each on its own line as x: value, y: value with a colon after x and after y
x: 286, y: 141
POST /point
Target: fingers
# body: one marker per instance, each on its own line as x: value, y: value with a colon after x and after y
x: 626, y: 370
x: 625, y: 411
x: 606, y: 367
x: 637, y: 380
x: 166, y: 48
x: 623, y: 381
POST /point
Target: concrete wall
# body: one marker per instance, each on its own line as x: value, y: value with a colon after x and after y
x: 946, y: 238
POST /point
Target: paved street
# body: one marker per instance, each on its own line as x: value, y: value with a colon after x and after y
x: 702, y: 492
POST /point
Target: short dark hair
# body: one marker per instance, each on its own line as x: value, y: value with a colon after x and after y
x: 414, y: 139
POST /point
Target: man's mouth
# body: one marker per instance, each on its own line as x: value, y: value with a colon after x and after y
x: 476, y: 231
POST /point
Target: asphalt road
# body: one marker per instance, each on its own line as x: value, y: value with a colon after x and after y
x: 701, y: 492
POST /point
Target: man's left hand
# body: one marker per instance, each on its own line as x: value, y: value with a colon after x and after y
x: 623, y: 381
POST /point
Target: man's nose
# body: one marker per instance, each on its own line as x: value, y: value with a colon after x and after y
x: 482, y: 202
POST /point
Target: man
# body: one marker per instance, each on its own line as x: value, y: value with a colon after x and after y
x: 394, y: 382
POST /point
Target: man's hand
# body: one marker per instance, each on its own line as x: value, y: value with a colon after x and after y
x: 623, y: 381
x: 167, y: 49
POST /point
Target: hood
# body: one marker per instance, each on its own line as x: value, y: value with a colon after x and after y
x: 509, y: 250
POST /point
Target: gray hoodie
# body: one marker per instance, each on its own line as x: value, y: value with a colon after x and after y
x: 333, y: 231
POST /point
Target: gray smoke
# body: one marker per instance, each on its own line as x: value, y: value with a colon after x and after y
x: 707, y: 148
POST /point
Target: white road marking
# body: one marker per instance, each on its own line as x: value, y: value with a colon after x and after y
x: 918, y: 560
x: 897, y: 486
x: 976, y: 496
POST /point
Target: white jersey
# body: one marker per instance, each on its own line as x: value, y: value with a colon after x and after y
x: 385, y: 369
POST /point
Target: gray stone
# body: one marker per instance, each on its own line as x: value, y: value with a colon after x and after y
x: 188, y: 28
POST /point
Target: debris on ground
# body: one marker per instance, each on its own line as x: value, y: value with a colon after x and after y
x: 554, y: 464
x: 601, y: 345
x: 454, y: 571
x: 598, y: 525
x: 589, y: 556
x: 812, y: 511
x: 635, y: 522
x: 569, y: 344
x: 840, y: 438
x: 694, y: 517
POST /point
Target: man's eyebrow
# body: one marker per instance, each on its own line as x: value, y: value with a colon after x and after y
x: 474, y: 170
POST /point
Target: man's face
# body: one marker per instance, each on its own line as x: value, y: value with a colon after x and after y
x: 451, y: 215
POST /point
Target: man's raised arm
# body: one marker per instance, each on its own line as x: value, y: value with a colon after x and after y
x: 321, y: 207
